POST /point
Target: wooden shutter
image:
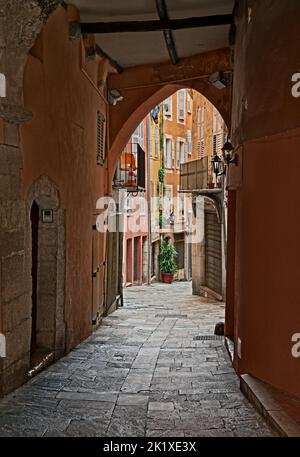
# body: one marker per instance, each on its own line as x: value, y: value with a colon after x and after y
x: 172, y: 154
x: 177, y: 154
x: 213, y: 250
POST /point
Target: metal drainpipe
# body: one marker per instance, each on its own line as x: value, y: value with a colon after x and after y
x: 149, y: 139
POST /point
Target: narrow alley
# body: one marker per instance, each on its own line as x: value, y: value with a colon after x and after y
x: 153, y: 368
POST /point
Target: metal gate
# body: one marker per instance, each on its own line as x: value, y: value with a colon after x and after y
x: 213, y: 250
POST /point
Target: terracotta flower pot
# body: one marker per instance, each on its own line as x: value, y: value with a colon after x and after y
x: 167, y: 278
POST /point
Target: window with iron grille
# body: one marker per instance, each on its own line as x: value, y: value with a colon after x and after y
x: 100, y: 138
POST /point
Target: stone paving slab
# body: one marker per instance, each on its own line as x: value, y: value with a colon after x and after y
x: 144, y: 372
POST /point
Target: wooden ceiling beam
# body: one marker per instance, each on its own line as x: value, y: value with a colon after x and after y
x: 162, y: 11
x: 156, y: 26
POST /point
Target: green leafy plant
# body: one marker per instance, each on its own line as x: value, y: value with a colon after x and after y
x: 167, y: 255
x: 161, y: 175
x: 162, y: 221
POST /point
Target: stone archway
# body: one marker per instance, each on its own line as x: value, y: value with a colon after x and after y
x: 47, y: 252
x: 145, y: 86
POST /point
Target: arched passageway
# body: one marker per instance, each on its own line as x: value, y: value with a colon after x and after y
x: 146, y: 86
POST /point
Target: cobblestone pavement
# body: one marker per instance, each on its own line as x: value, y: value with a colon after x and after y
x: 142, y: 373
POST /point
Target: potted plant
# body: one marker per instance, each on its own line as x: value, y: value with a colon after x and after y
x: 167, y: 262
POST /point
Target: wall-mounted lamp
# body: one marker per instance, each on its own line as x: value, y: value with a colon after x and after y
x: 218, y: 166
x: 114, y: 97
x: 228, y: 153
x: 172, y: 218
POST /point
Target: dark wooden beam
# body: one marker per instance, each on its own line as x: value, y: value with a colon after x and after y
x: 156, y: 26
x: 112, y: 62
x: 162, y: 11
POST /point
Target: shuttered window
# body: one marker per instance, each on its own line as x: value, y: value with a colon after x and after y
x: 100, y: 138
x: 168, y: 149
x: 189, y: 103
x: 189, y: 141
x: 168, y: 107
x: 181, y: 107
x: 156, y: 142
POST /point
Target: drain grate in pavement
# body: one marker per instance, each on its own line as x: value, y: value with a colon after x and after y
x: 178, y: 316
x: 208, y: 338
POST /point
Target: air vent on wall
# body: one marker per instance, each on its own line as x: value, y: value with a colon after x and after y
x: 100, y: 138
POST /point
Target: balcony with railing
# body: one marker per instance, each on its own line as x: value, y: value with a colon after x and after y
x: 194, y: 175
x: 131, y: 170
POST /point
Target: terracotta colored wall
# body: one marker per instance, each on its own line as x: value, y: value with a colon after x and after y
x: 265, y: 123
x: 200, y: 101
x: 61, y: 141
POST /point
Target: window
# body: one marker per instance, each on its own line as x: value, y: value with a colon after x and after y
x: 180, y: 105
x: 215, y: 144
x: 2, y: 85
x: 168, y: 107
x: 180, y: 205
x: 129, y: 204
x: 180, y: 153
x: 138, y: 135
x: 169, y: 153
x: 100, y: 138
x: 156, y: 142
x: 149, y: 137
x: 168, y: 201
x: 200, y: 130
x: 200, y: 147
x: 189, y: 142
x: 189, y: 103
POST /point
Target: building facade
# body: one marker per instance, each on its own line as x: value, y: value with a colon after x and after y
x: 135, y: 211
x: 170, y: 146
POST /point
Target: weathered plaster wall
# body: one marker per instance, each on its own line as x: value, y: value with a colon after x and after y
x: 265, y: 124
x: 61, y: 141
x: 20, y: 22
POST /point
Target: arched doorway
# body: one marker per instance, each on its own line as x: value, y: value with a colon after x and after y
x: 192, y: 131
x: 47, y: 254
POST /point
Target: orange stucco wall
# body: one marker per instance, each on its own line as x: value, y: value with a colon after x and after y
x: 61, y: 142
x: 265, y: 124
